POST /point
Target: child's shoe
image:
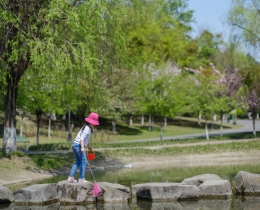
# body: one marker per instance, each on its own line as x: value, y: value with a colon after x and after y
x: 82, y: 180
x: 72, y: 180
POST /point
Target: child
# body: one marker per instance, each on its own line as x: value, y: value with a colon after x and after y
x: 78, y: 147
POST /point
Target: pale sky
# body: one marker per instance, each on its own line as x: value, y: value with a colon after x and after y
x: 210, y: 14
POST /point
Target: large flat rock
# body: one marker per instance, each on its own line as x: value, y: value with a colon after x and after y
x: 6, y: 196
x: 75, y: 193
x: 199, y: 179
x: 36, y: 194
x: 165, y: 191
x: 220, y: 189
x: 113, y: 193
x: 247, y: 183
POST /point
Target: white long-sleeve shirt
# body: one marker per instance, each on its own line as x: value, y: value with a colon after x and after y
x: 83, y: 135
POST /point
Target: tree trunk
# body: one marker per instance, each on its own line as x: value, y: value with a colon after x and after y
x: 21, y: 126
x: 38, y: 113
x: 21, y: 113
x: 199, y: 119
x: 161, y: 131
x: 254, y: 132
x: 206, y: 129
x: 150, y: 121
x: 142, y: 120
x: 221, y: 124
x: 49, y: 129
x: 254, y: 114
x: 9, y: 138
x: 113, y: 126
x: 165, y: 122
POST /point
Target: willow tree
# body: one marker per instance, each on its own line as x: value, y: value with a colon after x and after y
x: 244, y: 17
x: 251, y: 88
x: 57, y: 40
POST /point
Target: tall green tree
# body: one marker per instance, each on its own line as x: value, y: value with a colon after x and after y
x: 208, y: 46
x: 159, y: 92
x: 203, y: 87
x: 157, y: 32
x: 55, y: 39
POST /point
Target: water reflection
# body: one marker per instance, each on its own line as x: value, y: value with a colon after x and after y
x: 245, y: 203
x: 186, y: 205
x: 12, y: 206
x: 116, y: 206
x: 248, y: 203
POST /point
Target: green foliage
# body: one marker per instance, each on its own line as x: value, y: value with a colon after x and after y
x: 241, y: 113
x: 57, y: 45
x: 230, y: 56
x: 158, y: 92
x: 244, y: 17
x: 3, y: 73
x: 203, y: 88
x: 208, y: 46
x: 18, y: 154
x: 3, y: 154
x: 157, y: 32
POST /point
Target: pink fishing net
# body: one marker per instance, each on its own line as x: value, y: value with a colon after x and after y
x: 96, y: 189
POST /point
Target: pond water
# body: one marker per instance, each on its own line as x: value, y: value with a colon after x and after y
x: 132, y: 176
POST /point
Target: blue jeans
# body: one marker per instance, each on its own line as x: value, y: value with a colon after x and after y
x: 81, y: 161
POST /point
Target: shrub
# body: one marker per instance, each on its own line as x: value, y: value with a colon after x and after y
x: 242, y: 114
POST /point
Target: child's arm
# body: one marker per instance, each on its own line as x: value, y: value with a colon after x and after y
x: 82, y: 146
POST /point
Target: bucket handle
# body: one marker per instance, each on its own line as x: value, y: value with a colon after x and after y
x: 92, y: 151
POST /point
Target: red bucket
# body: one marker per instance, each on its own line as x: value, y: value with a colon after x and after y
x: 91, y: 155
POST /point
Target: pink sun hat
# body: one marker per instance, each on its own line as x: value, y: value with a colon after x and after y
x: 92, y: 118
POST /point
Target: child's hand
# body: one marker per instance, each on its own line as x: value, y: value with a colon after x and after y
x: 89, y: 148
